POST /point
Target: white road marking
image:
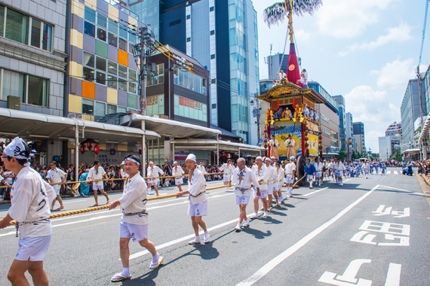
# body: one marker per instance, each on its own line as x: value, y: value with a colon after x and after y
x: 314, y: 192
x: 393, y: 275
x: 388, y: 172
x: 181, y: 239
x: 396, y: 173
x: 302, y: 242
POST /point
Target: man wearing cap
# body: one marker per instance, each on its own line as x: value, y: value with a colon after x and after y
x: 227, y: 169
x: 198, y: 205
x: 290, y: 173
x: 30, y: 208
x: 310, y: 172
x: 134, y: 220
x: 178, y: 173
x: 243, y: 178
x: 56, y: 177
x: 260, y: 194
x: 96, y: 176
x: 153, y: 174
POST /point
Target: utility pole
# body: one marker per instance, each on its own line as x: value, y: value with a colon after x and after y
x: 140, y: 52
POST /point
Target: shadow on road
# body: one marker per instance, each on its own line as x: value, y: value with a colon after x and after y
x: 258, y: 234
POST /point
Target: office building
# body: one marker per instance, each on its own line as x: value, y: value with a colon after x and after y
x: 412, y: 108
x: 394, y: 129
x: 202, y: 30
x: 358, y: 130
x: 342, y: 120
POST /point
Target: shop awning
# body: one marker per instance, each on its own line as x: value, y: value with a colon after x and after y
x: 36, y: 125
x: 206, y: 144
x: 425, y: 131
x: 169, y: 128
x: 411, y: 151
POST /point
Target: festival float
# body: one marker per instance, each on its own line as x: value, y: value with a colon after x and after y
x: 292, y: 125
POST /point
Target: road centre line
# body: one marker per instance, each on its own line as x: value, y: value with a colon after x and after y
x: 302, y: 242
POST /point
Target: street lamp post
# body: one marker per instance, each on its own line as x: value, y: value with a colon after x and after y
x: 256, y: 112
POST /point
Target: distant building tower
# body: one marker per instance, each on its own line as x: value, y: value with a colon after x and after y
x: 342, y: 119
x: 394, y: 129
x: 358, y: 129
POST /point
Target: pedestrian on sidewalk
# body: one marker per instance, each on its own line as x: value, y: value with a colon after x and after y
x: 134, y: 220
x: 227, y: 169
x: 198, y: 205
x: 153, y: 174
x: 30, y: 208
x: 243, y: 178
x: 56, y: 177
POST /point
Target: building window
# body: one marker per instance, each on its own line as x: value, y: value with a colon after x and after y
x: 36, y: 30
x: 113, y: 26
x: 112, y: 81
x: 212, y: 56
x: 213, y: 80
x: 190, y: 81
x: 132, y: 84
x: 123, y: 44
x: 101, y: 64
x: 113, y: 39
x: 1, y: 20
x: 87, y: 106
x: 213, y: 105
x: 101, y: 78
x: 212, y: 32
x: 157, y: 77
x: 31, y: 89
x: 101, y: 20
x: 188, y: 17
x: 123, y: 32
x: 176, y: 22
x: 39, y: 91
x: 100, y: 109
x: 188, y: 39
x: 101, y: 34
x: 88, y: 69
x: 122, y: 74
x: 111, y: 109
x: 16, y: 26
x: 90, y: 14
x: 121, y: 109
x: 89, y: 29
x: 27, y: 30
x: 211, y: 9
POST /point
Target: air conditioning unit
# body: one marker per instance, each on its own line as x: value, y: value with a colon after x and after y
x: 13, y: 102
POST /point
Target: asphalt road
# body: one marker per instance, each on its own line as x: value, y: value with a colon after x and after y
x: 369, y: 232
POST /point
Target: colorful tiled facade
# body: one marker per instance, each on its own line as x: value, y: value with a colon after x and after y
x: 102, y: 75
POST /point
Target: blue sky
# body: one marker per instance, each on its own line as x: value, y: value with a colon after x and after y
x: 365, y: 50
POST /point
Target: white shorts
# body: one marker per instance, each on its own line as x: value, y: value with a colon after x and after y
x: 242, y: 200
x: 279, y: 186
x: 57, y: 190
x: 226, y: 178
x: 136, y: 232
x: 270, y: 189
x: 318, y: 174
x: 263, y: 194
x: 97, y: 186
x: 198, y: 209
x: 33, y: 248
x: 289, y: 179
x: 153, y: 181
x: 179, y: 181
x: 338, y: 174
x: 310, y: 177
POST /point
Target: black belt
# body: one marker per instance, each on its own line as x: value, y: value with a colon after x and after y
x: 201, y: 193
x: 142, y: 213
x: 243, y: 190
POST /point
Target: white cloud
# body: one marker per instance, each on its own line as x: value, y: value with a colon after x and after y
x: 401, y: 33
x: 375, y: 109
x: 395, y: 74
x: 349, y: 18
x: 302, y: 35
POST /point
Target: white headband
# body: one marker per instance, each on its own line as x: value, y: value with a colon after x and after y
x: 132, y: 160
x: 17, y: 149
